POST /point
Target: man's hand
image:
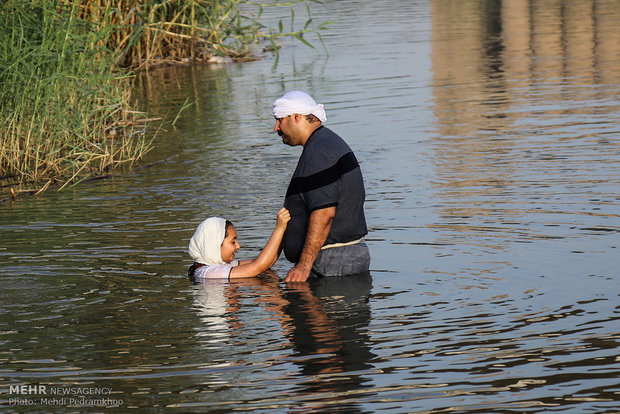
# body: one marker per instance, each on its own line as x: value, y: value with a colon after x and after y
x: 298, y: 274
x: 318, y: 228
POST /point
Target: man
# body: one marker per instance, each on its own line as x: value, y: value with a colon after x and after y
x: 325, y: 197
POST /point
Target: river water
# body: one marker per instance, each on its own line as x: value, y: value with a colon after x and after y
x: 488, y: 135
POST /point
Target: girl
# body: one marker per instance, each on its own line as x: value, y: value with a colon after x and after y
x: 214, y: 244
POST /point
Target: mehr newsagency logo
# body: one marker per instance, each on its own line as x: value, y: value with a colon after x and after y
x: 67, y: 396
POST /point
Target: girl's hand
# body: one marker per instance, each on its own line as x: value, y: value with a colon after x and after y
x: 283, y: 217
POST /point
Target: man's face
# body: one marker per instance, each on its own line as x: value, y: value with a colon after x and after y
x: 285, y: 127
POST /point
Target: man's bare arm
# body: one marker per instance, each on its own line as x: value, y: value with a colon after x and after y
x: 318, y: 229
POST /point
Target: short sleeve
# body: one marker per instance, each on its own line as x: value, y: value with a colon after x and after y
x: 322, y: 197
x: 317, y: 180
x: 323, y: 188
x: 214, y: 271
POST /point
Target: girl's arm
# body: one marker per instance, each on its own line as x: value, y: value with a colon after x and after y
x: 269, y: 254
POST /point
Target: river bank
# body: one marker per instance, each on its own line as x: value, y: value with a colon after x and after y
x: 66, y: 111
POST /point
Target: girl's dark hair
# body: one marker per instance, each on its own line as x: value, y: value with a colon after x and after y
x: 228, y: 225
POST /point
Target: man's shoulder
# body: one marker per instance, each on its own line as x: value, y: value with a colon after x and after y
x: 324, y: 140
x: 324, y: 133
x: 328, y: 152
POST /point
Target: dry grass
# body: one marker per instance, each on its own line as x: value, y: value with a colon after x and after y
x: 64, y: 108
x: 65, y: 112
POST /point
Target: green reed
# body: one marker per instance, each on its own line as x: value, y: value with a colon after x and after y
x: 64, y: 107
x: 147, y: 33
x: 65, y: 111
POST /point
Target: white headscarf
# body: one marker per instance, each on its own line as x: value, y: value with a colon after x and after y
x: 205, y: 244
x: 298, y: 102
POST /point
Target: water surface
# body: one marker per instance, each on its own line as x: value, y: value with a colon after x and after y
x: 488, y: 135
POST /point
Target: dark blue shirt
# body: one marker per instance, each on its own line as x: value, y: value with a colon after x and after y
x: 327, y: 175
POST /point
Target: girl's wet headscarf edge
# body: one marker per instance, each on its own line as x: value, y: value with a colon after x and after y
x: 205, y: 244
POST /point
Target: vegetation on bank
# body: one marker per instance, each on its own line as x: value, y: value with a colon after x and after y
x: 65, y: 111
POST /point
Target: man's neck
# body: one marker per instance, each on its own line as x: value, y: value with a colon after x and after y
x: 311, y: 131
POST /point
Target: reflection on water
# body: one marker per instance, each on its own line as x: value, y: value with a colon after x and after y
x: 527, y: 126
x: 487, y: 132
x: 313, y: 337
x: 330, y: 336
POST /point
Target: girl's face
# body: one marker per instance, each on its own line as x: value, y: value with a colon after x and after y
x: 229, y: 245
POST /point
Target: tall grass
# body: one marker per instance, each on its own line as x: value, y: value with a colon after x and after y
x: 148, y: 33
x: 152, y: 32
x: 64, y: 108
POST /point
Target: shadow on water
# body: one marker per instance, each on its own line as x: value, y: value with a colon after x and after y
x: 324, y: 323
x: 330, y: 333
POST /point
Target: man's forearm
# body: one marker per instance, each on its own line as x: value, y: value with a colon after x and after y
x: 318, y: 228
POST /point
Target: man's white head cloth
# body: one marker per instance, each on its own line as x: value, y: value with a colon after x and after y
x: 298, y: 102
x: 206, y: 243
